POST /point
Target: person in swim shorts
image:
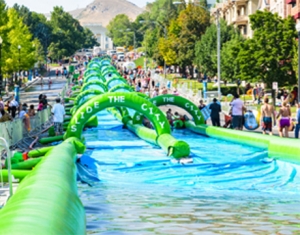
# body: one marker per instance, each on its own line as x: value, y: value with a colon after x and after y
x: 285, y: 120
x: 267, y: 112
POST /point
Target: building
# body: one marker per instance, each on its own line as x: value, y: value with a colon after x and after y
x: 293, y: 8
x: 237, y: 12
x: 100, y: 33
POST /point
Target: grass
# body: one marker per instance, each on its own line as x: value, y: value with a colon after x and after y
x: 140, y: 62
x: 54, y: 65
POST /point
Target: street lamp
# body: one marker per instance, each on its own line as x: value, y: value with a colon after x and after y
x: 19, y: 49
x: 165, y: 36
x: 134, y: 39
x: 1, y: 80
x: 298, y: 30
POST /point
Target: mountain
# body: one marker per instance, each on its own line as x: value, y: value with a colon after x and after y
x: 103, y: 11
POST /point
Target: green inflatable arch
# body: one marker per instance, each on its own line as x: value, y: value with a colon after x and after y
x: 105, y: 68
x: 94, y: 77
x: 86, y: 95
x: 118, y: 99
x: 179, y: 101
x: 91, y: 71
x: 109, y: 76
x: 115, y: 81
x: 121, y: 88
x: 95, y: 85
x: 105, y: 61
x: 94, y: 64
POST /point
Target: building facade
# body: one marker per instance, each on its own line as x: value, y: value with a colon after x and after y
x: 236, y: 12
x: 100, y: 34
x: 293, y: 8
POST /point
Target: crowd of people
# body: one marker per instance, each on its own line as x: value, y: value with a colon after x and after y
x: 236, y: 117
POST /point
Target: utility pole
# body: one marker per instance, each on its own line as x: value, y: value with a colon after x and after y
x: 219, y: 53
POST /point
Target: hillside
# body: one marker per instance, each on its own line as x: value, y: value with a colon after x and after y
x: 102, y: 11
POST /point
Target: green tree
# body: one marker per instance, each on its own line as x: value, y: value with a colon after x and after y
x: 67, y: 34
x: 37, y: 24
x: 90, y: 40
x: 18, y: 35
x: 229, y: 53
x: 206, y: 48
x: 118, y: 30
x: 3, y: 34
x: 193, y: 22
x: 268, y: 56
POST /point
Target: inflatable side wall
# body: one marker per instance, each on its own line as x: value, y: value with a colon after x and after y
x: 46, y: 201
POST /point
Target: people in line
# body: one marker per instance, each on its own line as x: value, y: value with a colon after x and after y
x: 31, y: 111
x: 285, y: 120
x: 13, y: 106
x: 58, y: 112
x: 5, y: 116
x: 201, y: 105
x: 267, y: 112
x: 215, y: 112
x: 237, y: 112
x: 297, y: 128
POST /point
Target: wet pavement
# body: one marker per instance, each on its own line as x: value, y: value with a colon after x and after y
x: 30, y: 94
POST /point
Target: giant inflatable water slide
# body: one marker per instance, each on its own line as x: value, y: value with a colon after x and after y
x: 47, y: 202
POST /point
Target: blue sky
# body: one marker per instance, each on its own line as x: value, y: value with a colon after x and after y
x: 45, y: 6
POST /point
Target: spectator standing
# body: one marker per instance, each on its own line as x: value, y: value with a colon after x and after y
x: 284, y: 122
x: 13, y: 106
x: 201, y: 105
x: 215, y: 112
x: 31, y: 111
x: 5, y: 116
x: 1, y: 103
x: 58, y: 112
x: 237, y: 112
x: 297, y: 129
x: 267, y: 112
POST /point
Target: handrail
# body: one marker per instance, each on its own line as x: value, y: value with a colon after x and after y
x: 5, y: 145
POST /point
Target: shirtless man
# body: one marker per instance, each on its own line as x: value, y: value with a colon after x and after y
x: 284, y: 122
x: 267, y: 112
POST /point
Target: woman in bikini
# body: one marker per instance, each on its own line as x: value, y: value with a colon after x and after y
x: 285, y: 120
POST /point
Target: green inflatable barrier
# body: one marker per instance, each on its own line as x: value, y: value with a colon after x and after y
x: 92, y: 122
x: 19, y: 175
x: 48, y: 140
x: 95, y: 85
x: 46, y: 201
x: 39, y: 152
x: 26, y: 165
x: 279, y: 148
x: 94, y: 77
x: 118, y: 99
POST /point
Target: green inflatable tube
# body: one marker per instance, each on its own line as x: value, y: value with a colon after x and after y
x: 174, y: 148
x: 39, y: 152
x: 47, y: 201
x: 144, y: 133
x: 26, y: 165
x: 48, y: 140
x: 278, y: 148
x: 17, y: 174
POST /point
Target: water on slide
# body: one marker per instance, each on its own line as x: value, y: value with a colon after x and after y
x: 228, y: 189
